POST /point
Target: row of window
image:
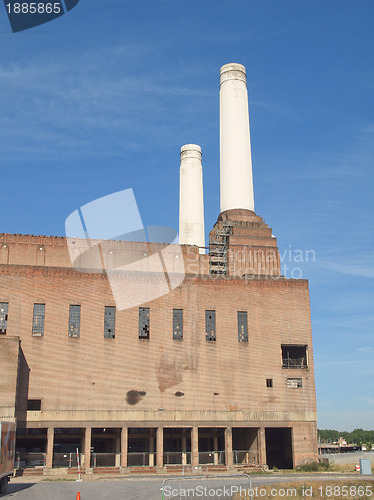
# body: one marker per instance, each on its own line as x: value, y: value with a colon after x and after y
x: 110, y: 320
x: 210, y: 325
x: 293, y: 356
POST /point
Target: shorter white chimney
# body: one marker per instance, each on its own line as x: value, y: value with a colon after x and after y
x: 191, y: 204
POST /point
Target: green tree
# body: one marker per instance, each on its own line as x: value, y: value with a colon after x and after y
x: 357, y: 436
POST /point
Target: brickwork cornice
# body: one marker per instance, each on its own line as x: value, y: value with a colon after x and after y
x: 256, y: 281
x: 252, y: 280
x: 48, y: 271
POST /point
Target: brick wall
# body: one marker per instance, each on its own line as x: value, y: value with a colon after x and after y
x: 54, y: 251
x: 96, y: 373
x: 87, y: 381
x: 9, y: 356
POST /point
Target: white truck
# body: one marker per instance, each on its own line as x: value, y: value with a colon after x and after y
x: 7, y: 452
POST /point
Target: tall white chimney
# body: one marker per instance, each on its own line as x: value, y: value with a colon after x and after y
x: 235, y: 142
x: 191, y: 204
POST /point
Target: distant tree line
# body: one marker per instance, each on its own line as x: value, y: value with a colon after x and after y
x: 357, y: 436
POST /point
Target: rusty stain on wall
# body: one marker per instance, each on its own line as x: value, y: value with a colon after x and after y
x: 169, y: 373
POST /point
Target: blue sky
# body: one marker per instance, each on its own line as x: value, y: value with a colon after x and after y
x: 103, y: 98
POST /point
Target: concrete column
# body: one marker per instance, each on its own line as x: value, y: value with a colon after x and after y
x: 82, y: 446
x: 228, y: 446
x: 50, y: 441
x: 261, y: 446
x: 235, y: 143
x: 160, y: 447
x: 191, y: 203
x: 124, y: 446
x: 195, y: 446
x: 184, y: 447
x: 118, y: 450
x: 215, y: 447
x: 87, y: 447
x: 151, y: 448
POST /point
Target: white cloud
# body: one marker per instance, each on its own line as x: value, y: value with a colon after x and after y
x: 86, y: 104
x: 368, y: 400
x: 363, y: 269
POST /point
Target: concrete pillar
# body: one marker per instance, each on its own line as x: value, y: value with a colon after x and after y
x: 215, y: 447
x: 118, y: 450
x: 151, y: 448
x: 191, y: 203
x: 235, y: 143
x: 82, y: 446
x: 50, y: 441
x: 184, y: 446
x: 195, y: 446
x: 124, y: 446
x: 228, y: 446
x: 160, y: 447
x: 87, y: 447
x: 261, y: 447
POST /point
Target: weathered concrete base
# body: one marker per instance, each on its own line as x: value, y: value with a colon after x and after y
x: 49, y: 471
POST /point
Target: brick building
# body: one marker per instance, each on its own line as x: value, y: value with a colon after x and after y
x: 218, y: 371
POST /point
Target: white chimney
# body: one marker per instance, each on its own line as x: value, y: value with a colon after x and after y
x: 191, y: 204
x: 235, y: 143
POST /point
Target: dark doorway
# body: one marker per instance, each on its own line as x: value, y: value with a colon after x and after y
x: 142, y: 447
x: 244, y: 445
x: 177, y: 446
x: 279, y: 447
x: 66, y: 442
x: 212, y: 445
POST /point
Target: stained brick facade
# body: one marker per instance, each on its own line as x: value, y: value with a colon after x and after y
x: 190, y: 384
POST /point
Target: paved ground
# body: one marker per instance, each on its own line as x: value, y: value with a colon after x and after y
x: 139, y: 489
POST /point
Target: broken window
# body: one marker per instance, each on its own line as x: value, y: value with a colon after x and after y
x: 294, y: 383
x: 74, y: 321
x: 294, y: 356
x: 210, y: 325
x: 109, y: 322
x: 34, y: 404
x: 144, y: 323
x: 3, y: 317
x: 269, y: 382
x: 38, y: 320
x: 177, y: 324
x: 242, y: 326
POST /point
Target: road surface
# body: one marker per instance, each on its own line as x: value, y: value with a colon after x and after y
x: 144, y: 488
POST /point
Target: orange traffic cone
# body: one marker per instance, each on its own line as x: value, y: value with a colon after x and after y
x: 78, y: 496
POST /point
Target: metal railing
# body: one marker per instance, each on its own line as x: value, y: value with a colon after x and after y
x: 141, y: 459
x: 244, y: 457
x: 29, y: 460
x: 295, y: 363
x: 68, y: 460
x: 177, y: 457
x: 212, y: 457
x: 103, y: 460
